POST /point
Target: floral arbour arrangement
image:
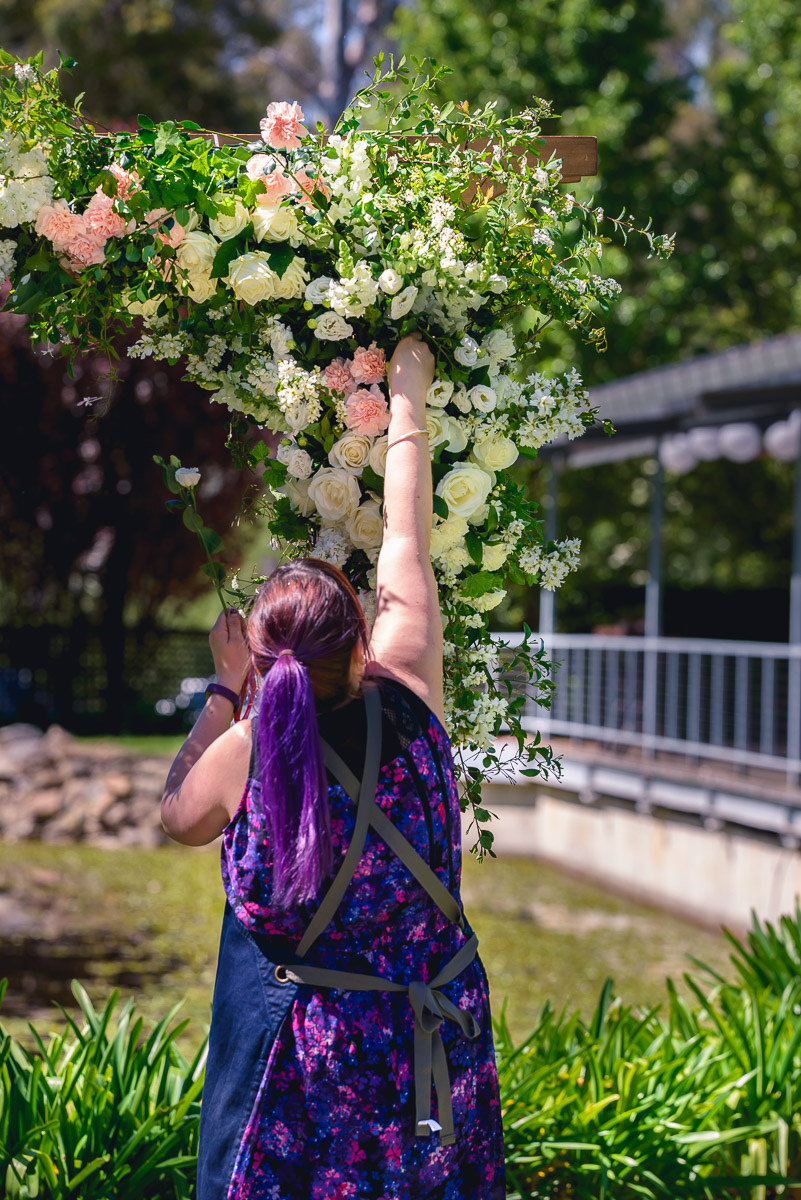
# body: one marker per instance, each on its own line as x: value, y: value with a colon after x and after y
x: 282, y: 271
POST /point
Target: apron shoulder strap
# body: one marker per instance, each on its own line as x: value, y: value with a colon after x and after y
x: 399, y: 844
x: 364, y: 795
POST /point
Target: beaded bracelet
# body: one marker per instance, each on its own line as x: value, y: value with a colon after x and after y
x: 403, y: 436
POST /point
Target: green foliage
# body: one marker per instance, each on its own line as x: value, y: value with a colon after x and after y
x: 100, y: 1112
x: 698, y: 1102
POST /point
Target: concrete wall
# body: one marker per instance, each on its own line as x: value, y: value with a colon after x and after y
x: 669, y: 859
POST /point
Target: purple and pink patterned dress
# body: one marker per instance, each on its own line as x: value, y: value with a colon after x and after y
x: 310, y: 1091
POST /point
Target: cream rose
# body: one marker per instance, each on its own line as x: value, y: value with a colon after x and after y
x: 390, y: 282
x: 437, y: 426
x: 276, y: 224
x: 226, y: 226
x: 457, y: 438
x: 351, y: 452
x: 201, y: 288
x: 483, y: 398
x: 499, y: 344
x: 334, y: 493
x: 291, y: 284
x: 298, y: 492
x: 378, y: 455
x: 332, y: 328
x: 402, y: 303
x: 251, y: 277
x: 464, y: 489
x: 366, y: 527
x: 195, y: 254
x: 439, y: 393
x: 496, y: 453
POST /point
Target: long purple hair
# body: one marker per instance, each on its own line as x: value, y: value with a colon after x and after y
x: 302, y: 632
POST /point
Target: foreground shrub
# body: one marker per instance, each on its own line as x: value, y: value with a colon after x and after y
x: 700, y: 1101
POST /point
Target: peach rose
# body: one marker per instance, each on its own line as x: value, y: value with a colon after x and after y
x: 369, y: 366
x: 58, y: 224
x: 338, y: 377
x: 282, y: 127
x: 367, y: 412
x: 127, y: 181
x: 307, y: 185
x: 171, y: 237
x: 85, y: 249
x: 101, y: 218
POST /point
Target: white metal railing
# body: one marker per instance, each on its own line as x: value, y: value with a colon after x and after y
x: 734, y: 702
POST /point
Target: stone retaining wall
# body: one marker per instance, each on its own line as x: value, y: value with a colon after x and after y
x: 57, y: 788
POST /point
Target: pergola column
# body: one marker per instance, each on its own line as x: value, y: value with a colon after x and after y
x: 795, y: 578
x: 653, y: 588
x: 548, y: 599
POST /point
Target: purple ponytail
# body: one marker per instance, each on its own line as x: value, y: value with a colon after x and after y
x: 302, y: 631
x: 294, y: 785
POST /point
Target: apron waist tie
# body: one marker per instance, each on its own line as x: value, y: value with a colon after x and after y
x: 430, y: 1009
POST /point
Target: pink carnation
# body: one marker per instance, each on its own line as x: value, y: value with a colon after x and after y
x: 369, y: 366
x: 58, y: 224
x: 282, y: 128
x: 85, y: 249
x: 173, y: 236
x: 101, y: 218
x: 308, y: 185
x: 367, y: 412
x: 276, y: 186
x: 338, y: 377
x: 127, y: 181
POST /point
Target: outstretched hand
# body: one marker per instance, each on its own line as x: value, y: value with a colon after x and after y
x: 412, y: 365
x: 229, y: 649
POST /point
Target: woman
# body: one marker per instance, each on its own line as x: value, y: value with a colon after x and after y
x: 350, y: 1052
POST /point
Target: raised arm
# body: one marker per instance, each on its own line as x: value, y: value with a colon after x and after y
x: 407, y: 635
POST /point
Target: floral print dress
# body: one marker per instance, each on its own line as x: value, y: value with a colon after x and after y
x: 310, y: 1092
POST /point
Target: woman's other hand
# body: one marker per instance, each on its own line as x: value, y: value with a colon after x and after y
x: 229, y: 649
x: 411, y: 366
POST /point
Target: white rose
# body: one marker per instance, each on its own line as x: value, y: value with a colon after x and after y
x: 497, y: 283
x: 251, y: 277
x: 195, y: 254
x: 480, y: 515
x: 351, y: 452
x: 297, y: 461
x: 334, y: 493
x: 276, y: 224
x: 402, y: 303
x: 291, y: 284
x: 139, y: 308
x: 446, y: 534
x: 317, y: 290
x: 187, y: 477
x: 495, y: 453
x: 366, y: 527
x: 464, y: 489
x: 390, y: 281
x: 467, y: 352
x: 378, y: 455
x: 298, y: 492
x: 201, y: 288
x: 457, y: 438
x: 332, y: 328
x: 437, y: 426
x: 483, y: 398
x: 226, y: 226
x: 439, y: 393
x: 493, y: 556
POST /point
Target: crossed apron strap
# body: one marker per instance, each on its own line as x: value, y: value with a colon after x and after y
x: 429, y: 1005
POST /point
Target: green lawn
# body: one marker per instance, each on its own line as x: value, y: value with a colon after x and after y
x: 148, y: 920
